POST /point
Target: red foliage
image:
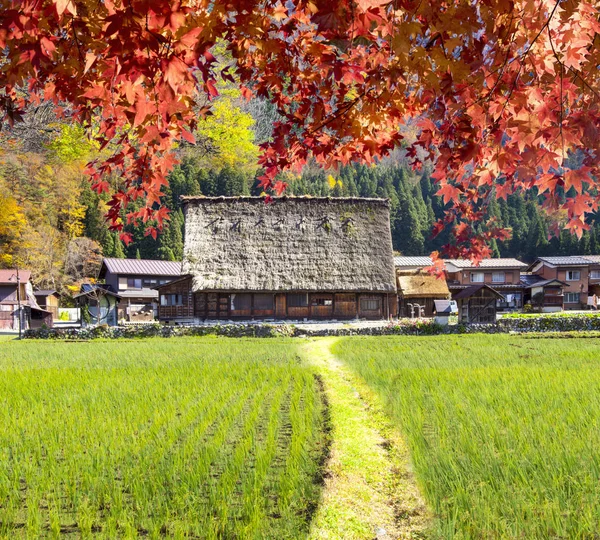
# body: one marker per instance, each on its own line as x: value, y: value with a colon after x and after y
x: 506, y: 92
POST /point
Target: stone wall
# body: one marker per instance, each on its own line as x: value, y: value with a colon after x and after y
x: 407, y: 327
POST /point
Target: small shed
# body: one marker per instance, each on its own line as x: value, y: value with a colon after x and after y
x: 443, y: 309
x: 417, y: 292
x: 97, y: 304
x: 477, y: 304
x: 48, y: 300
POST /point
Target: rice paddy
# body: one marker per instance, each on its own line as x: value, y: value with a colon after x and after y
x: 180, y: 438
x: 503, y: 430
x: 231, y: 438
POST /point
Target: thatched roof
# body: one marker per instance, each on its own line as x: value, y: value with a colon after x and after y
x: 290, y: 244
x: 418, y: 284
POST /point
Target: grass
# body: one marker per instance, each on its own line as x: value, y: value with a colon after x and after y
x: 503, y: 430
x: 196, y: 437
x: 369, y: 490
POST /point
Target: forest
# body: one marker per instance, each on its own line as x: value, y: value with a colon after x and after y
x: 53, y: 221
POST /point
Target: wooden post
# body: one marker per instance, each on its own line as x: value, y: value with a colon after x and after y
x: 19, y: 302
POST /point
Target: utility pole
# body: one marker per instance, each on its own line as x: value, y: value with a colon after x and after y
x: 19, y: 301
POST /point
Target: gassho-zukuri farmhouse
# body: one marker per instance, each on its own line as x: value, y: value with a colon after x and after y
x: 292, y: 258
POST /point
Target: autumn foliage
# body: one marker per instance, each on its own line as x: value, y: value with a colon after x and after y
x: 505, y: 93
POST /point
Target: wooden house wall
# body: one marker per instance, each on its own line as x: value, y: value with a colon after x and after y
x: 219, y: 305
x: 186, y: 309
x: 427, y: 303
x: 479, y: 308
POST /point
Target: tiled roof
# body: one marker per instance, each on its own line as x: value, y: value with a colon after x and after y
x: 487, y: 263
x: 569, y: 260
x: 10, y: 276
x: 412, y: 261
x: 594, y: 258
x: 142, y: 267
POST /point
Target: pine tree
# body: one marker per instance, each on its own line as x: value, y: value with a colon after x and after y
x: 118, y: 252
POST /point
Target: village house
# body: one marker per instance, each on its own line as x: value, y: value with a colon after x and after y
x: 417, y: 292
x: 134, y: 281
x: 17, y: 301
x: 291, y: 258
x: 545, y: 295
x: 503, y: 275
x: 580, y: 275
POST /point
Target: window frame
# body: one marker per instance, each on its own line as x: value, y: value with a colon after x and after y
x: 594, y: 274
x: 134, y: 280
x: 572, y: 294
x: 499, y: 273
x: 257, y: 302
x: 171, y: 300
x: 567, y: 278
x: 482, y: 274
x: 376, y: 301
x: 304, y: 303
x: 246, y: 301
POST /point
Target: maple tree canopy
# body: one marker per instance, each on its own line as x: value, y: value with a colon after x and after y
x: 505, y: 93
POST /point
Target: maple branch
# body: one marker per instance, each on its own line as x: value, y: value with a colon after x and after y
x: 524, y: 55
x: 340, y: 112
x: 562, y: 74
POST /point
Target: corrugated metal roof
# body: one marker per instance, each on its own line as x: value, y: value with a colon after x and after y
x: 487, y: 263
x: 569, y: 260
x: 44, y: 292
x: 10, y: 276
x: 412, y: 261
x: 142, y: 267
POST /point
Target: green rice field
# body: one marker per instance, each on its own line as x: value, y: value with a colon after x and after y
x: 251, y: 438
x: 504, y: 432
x: 180, y: 438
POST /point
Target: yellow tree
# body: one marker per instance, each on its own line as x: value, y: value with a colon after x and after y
x: 12, y: 227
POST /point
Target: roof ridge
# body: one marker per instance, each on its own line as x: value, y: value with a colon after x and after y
x: 285, y: 198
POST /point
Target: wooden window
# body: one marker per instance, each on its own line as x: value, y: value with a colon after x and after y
x: 322, y: 301
x: 498, y: 277
x: 134, y: 283
x: 241, y: 302
x: 263, y: 302
x: 573, y: 275
x: 171, y: 299
x: 370, y: 304
x: 297, y: 300
x: 477, y: 277
x: 149, y: 282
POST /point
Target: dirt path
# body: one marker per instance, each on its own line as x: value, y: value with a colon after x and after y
x: 370, y: 491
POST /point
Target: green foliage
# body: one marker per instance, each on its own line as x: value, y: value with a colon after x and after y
x: 502, y: 429
x: 71, y: 145
x: 229, y: 132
